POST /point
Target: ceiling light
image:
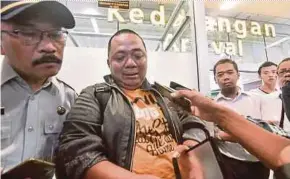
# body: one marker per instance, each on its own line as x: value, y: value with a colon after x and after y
x: 278, y: 42
x: 228, y: 5
x: 90, y: 11
x: 95, y: 25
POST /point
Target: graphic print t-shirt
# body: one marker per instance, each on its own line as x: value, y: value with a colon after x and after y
x: 154, y: 144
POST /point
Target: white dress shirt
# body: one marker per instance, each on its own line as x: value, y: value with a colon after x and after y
x: 271, y: 109
x: 258, y: 91
x: 245, y: 104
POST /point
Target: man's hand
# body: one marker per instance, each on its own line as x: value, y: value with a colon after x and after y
x: 202, y: 106
x: 189, y: 164
x: 226, y: 137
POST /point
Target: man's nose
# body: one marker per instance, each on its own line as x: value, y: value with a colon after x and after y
x: 46, y: 45
x: 130, y: 62
x: 226, y: 77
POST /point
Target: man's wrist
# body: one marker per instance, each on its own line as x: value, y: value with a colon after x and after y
x: 221, y: 115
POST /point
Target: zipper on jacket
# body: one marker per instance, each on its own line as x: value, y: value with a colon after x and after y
x: 133, y: 128
x: 134, y: 123
x: 168, y: 114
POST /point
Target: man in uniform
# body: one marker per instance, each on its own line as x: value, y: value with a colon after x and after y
x: 34, y: 103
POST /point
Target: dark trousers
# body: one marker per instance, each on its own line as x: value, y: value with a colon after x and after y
x: 236, y: 169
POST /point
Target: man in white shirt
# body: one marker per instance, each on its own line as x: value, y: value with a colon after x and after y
x: 268, y: 74
x: 239, y: 163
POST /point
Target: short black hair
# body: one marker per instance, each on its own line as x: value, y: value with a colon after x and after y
x: 266, y: 64
x: 123, y: 31
x: 285, y: 60
x: 223, y: 61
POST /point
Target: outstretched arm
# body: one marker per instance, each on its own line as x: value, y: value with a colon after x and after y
x: 271, y: 149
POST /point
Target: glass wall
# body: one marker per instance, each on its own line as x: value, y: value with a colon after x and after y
x: 165, y: 26
x: 249, y: 38
x: 95, y: 25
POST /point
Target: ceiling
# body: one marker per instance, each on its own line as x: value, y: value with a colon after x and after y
x: 93, y: 30
x: 254, y: 10
x: 282, y: 8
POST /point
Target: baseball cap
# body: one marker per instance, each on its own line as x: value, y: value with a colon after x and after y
x: 56, y: 11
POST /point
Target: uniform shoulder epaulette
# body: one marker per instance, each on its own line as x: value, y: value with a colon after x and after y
x: 67, y: 85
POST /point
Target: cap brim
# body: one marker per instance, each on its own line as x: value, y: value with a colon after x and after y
x: 56, y: 11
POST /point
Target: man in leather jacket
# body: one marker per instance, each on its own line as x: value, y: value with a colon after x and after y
x: 131, y: 133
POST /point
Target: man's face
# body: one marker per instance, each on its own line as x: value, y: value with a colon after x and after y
x: 226, y: 76
x: 37, y: 61
x: 128, y: 61
x: 284, y: 73
x: 269, y: 75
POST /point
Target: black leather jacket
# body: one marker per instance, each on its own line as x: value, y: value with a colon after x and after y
x: 88, y: 138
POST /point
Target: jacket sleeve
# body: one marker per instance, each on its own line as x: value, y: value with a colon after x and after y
x: 188, y: 123
x: 80, y: 142
x: 192, y: 127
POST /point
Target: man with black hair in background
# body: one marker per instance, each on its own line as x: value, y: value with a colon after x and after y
x: 239, y: 163
x: 268, y: 74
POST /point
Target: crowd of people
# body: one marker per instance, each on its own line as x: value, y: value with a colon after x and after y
x: 262, y: 103
x: 124, y: 128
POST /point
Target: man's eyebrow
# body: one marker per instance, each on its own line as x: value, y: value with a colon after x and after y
x: 137, y: 49
x: 133, y: 50
x: 119, y: 52
x: 282, y: 69
x: 224, y: 71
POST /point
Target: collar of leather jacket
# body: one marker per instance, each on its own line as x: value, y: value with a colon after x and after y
x: 145, y: 85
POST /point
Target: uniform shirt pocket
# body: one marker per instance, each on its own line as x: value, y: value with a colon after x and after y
x: 8, y: 131
x: 49, y: 141
x: 9, y: 137
x: 6, y: 124
x: 53, y: 125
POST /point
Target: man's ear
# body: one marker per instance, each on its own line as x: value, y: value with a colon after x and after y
x: 238, y: 75
x: 108, y: 63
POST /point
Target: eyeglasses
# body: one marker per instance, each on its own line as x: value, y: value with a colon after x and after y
x: 32, y: 37
x: 283, y: 72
